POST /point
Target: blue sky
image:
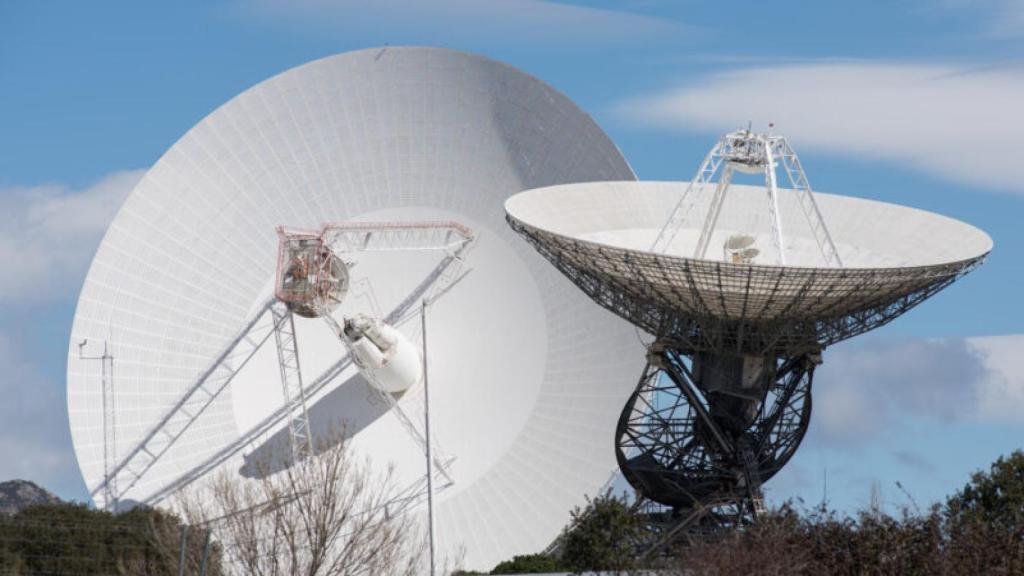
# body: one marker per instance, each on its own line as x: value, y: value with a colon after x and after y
x: 914, y: 102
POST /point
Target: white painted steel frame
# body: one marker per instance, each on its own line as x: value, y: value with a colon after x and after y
x: 300, y: 436
x: 758, y: 151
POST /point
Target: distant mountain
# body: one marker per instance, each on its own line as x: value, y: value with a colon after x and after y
x: 16, y: 495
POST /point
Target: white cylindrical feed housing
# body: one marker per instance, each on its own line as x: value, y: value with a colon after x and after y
x: 384, y: 355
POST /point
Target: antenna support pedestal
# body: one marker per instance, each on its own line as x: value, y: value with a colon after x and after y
x: 702, y: 431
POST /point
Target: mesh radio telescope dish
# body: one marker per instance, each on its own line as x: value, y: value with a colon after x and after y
x: 170, y: 375
x: 742, y: 287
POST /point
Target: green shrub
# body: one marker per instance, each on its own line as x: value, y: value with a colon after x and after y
x: 528, y: 564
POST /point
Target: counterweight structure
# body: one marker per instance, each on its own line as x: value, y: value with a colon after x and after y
x: 725, y: 398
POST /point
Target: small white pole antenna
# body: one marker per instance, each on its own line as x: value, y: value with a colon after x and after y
x: 110, y: 492
x: 430, y: 461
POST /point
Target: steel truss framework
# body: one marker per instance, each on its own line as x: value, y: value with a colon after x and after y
x: 749, y: 152
x: 690, y: 480
x: 740, y: 308
x: 677, y: 444
x: 664, y: 526
x: 291, y: 383
x: 180, y: 416
x: 450, y: 238
x: 441, y: 461
x: 435, y: 285
x: 316, y: 293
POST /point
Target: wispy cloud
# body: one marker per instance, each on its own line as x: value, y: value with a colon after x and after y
x: 863, y: 390
x: 523, y: 21
x: 1001, y: 395
x: 48, y: 235
x: 958, y: 123
x: 914, y: 461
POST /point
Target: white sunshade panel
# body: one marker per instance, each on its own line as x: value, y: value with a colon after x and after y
x: 394, y: 133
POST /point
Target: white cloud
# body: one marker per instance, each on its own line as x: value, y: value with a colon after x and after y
x: 48, y: 235
x: 1001, y: 394
x: 955, y: 122
x: 34, y: 438
x: 522, y: 21
x: 864, y: 389
x: 914, y: 461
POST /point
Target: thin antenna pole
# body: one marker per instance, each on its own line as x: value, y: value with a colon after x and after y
x: 426, y: 418
x: 109, y: 486
x: 181, y: 556
x: 206, y: 553
x: 824, y: 492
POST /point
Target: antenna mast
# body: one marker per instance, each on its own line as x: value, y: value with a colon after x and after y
x: 109, y: 487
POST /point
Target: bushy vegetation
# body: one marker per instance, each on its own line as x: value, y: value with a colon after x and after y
x: 528, y: 564
x: 601, y: 536
x: 73, y: 539
x: 979, y: 530
x: 324, y: 515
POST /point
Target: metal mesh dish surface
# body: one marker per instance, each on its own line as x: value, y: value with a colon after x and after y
x: 599, y: 234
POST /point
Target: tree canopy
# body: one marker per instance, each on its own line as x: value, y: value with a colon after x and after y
x: 73, y: 539
x: 601, y: 536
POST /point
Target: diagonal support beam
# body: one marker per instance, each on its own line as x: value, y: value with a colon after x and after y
x: 752, y: 153
x: 774, y: 217
x: 183, y: 413
x: 711, y: 221
x: 685, y: 205
x: 663, y: 360
x: 449, y: 272
x: 390, y: 401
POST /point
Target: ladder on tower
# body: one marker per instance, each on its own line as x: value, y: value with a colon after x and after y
x: 291, y: 383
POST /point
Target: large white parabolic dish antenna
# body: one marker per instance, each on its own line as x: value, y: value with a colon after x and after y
x: 526, y: 373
